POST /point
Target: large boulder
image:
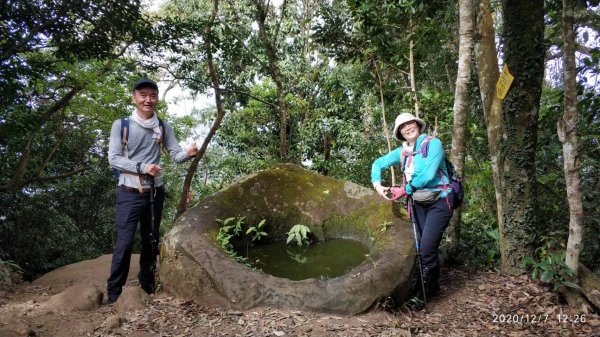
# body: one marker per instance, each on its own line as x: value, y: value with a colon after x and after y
x: 193, y: 266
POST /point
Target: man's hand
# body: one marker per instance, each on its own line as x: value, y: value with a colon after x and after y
x: 153, y: 170
x: 192, y: 151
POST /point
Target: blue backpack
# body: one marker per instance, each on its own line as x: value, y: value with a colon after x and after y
x: 125, y: 138
x: 453, y: 177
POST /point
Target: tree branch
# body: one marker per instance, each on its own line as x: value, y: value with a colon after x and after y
x: 250, y: 52
x: 56, y: 177
x: 273, y: 105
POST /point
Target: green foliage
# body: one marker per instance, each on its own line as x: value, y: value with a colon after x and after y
x: 7, y: 268
x: 55, y: 224
x: 551, y: 269
x: 257, y: 231
x: 479, y: 243
x: 228, y: 229
x: 234, y: 228
x: 299, y: 234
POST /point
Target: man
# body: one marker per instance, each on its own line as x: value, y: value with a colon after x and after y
x: 138, y: 160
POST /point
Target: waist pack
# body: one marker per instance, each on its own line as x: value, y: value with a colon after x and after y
x: 425, y: 197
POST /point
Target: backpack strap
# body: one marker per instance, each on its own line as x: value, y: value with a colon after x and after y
x: 124, y: 133
x: 124, y: 140
x: 424, y: 150
x: 402, y: 159
x: 161, y: 125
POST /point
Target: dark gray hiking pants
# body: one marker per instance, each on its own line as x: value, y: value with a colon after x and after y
x: 131, y: 208
x: 432, y: 220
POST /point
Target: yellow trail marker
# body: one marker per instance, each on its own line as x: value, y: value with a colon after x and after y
x: 504, y: 82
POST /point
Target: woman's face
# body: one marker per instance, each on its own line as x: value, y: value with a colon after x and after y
x: 410, y: 131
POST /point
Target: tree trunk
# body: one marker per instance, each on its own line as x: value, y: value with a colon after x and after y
x: 567, y: 134
x: 182, y: 206
x: 261, y: 16
x: 524, y: 49
x: 385, y: 125
x: 486, y: 57
x: 461, y: 106
x: 326, y: 153
x: 411, y: 61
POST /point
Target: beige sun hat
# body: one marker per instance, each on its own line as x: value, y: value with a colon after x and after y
x: 403, y: 118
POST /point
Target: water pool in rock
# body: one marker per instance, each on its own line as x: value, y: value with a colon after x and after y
x: 328, y: 259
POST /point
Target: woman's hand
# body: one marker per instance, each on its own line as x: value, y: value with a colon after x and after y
x: 381, y: 190
x: 396, y: 192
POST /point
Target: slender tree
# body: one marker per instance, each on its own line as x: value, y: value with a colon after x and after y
x: 461, y: 105
x: 411, y: 62
x: 208, y: 48
x: 385, y: 124
x: 567, y: 134
x: 269, y: 42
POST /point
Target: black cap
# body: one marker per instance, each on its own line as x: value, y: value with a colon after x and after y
x: 145, y: 82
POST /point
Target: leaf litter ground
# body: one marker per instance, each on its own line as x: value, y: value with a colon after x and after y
x: 471, y: 304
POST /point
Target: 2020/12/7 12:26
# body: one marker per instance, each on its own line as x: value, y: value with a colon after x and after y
x: 541, y: 318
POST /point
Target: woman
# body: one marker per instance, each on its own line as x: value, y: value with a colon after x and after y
x: 426, y: 181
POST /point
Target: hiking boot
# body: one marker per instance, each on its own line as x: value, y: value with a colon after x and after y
x: 433, y: 283
x: 148, y: 288
x: 431, y: 280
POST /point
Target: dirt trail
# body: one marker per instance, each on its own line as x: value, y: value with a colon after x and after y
x: 471, y: 304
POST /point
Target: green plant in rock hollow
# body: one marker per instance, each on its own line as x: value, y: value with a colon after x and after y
x: 257, y: 231
x: 551, y: 269
x: 299, y: 233
x: 233, y: 227
x: 228, y: 229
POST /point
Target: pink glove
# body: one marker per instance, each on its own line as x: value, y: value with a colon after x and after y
x: 395, y: 193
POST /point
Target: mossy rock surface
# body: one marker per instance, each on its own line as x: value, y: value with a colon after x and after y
x: 193, y: 266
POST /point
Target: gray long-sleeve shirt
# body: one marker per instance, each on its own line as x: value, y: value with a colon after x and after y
x: 141, y: 148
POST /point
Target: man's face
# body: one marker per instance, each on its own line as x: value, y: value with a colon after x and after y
x: 145, y: 100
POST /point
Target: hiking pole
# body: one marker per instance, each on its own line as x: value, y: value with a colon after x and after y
x: 154, y: 228
x: 413, y: 217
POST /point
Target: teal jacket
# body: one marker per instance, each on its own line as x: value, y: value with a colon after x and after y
x: 427, y: 170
